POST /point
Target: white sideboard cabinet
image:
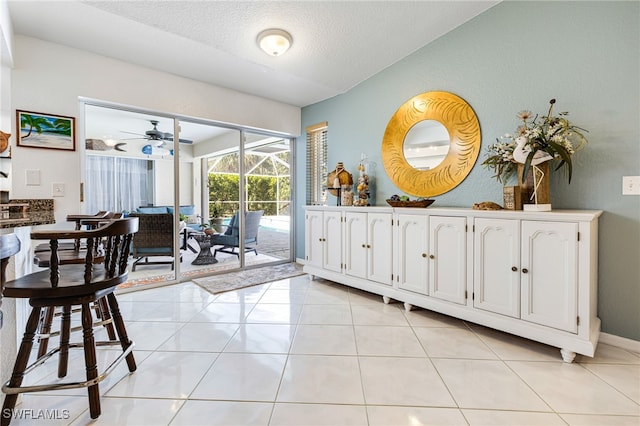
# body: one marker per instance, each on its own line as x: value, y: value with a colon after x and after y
x: 368, y: 246
x: 532, y: 274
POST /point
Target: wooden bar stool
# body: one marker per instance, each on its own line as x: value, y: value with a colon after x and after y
x: 9, y: 245
x: 67, y: 286
x: 69, y: 255
x: 77, y: 219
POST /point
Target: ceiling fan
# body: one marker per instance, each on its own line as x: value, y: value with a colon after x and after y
x: 155, y: 135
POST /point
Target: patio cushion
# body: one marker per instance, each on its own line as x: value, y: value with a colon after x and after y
x: 185, y: 210
x: 156, y: 209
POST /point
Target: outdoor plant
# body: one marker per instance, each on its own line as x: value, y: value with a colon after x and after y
x: 216, y: 209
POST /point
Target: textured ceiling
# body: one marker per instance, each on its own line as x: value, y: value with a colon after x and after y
x: 336, y: 44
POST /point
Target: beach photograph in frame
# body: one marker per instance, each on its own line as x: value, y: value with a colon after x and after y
x: 38, y: 130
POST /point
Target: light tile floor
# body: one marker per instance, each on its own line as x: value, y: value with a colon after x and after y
x: 301, y: 352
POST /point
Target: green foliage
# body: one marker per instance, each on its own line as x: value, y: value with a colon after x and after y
x: 262, y: 194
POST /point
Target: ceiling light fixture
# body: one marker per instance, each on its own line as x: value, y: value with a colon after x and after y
x: 274, y: 41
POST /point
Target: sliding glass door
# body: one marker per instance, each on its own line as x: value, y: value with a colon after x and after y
x: 217, y: 196
x: 267, y: 189
x: 129, y: 171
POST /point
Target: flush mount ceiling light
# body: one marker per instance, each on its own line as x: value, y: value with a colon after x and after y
x: 274, y: 41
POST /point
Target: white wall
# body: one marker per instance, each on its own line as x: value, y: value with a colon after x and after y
x: 163, y: 175
x: 8, y: 344
x: 49, y: 78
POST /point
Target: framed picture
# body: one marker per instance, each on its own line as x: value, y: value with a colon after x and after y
x: 37, y: 130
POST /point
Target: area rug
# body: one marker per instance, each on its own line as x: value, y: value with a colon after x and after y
x: 241, y: 279
x: 161, y: 273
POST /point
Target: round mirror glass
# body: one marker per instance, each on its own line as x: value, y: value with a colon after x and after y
x: 426, y: 144
x: 459, y: 127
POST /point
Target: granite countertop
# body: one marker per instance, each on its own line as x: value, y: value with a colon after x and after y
x: 39, y: 212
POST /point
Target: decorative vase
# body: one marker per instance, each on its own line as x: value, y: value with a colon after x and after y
x: 536, y: 187
x: 364, y: 188
x: 346, y: 196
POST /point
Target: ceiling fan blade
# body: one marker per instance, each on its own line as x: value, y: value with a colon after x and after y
x: 132, y: 133
x: 184, y: 141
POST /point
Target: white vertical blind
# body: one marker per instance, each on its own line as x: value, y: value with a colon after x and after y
x: 316, y: 163
x: 117, y: 184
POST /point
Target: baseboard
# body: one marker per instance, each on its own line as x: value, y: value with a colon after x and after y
x: 607, y: 339
x: 620, y: 342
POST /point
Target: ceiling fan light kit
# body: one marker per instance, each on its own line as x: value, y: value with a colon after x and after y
x: 274, y: 41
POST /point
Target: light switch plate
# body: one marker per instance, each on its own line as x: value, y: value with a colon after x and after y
x: 57, y: 189
x: 630, y: 185
x: 32, y: 177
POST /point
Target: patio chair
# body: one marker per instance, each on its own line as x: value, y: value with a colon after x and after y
x: 230, y: 239
x: 154, y: 239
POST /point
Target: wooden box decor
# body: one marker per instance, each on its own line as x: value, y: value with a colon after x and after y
x: 512, y: 197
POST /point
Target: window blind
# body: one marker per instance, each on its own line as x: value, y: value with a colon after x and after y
x: 316, y: 163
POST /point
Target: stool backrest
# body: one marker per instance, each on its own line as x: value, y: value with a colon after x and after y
x: 9, y: 245
x: 113, y: 240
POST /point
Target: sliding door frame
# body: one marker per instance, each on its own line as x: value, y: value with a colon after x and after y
x: 177, y: 119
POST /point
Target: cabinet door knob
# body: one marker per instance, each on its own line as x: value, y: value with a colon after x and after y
x: 364, y: 246
x: 368, y: 245
x: 424, y: 254
x: 431, y: 256
x: 514, y: 269
x: 525, y: 271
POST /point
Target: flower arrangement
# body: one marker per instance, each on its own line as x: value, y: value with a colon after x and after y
x: 538, y: 139
x: 500, y: 158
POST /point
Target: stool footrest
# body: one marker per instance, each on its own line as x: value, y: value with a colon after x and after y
x: 68, y: 385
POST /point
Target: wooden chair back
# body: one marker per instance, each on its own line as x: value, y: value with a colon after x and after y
x: 9, y: 245
x: 113, y: 241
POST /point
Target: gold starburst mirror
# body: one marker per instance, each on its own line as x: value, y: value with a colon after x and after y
x: 431, y: 144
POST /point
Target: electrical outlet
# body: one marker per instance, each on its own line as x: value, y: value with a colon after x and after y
x: 630, y: 185
x: 57, y: 189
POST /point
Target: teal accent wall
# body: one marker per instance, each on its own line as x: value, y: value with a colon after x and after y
x: 515, y: 56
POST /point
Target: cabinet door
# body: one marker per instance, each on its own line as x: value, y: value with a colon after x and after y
x: 356, y: 244
x: 379, y: 247
x: 447, y: 254
x: 332, y: 249
x: 314, y: 238
x: 549, y: 274
x: 413, y: 246
x: 496, y: 266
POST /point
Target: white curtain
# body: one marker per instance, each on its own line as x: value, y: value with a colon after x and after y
x: 117, y: 184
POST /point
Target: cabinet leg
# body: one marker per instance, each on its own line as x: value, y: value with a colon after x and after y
x: 408, y: 306
x: 567, y: 355
x: 386, y: 300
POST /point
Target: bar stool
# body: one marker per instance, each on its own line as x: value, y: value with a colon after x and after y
x: 77, y: 218
x: 9, y: 245
x: 67, y: 286
x: 74, y: 253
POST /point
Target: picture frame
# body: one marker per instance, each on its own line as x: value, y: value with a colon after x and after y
x: 50, y: 131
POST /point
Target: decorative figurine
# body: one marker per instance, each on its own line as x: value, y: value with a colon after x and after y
x: 336, y: 179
